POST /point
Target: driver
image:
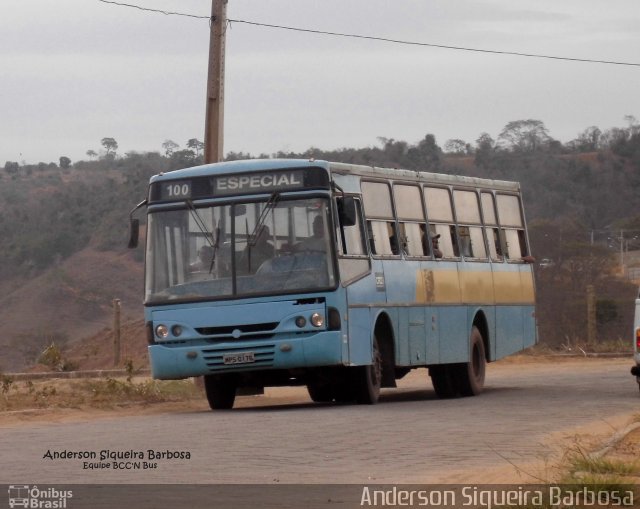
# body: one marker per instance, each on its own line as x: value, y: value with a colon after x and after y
x: 203, y: 263
x: 317, y: 241
x: 255, y: 255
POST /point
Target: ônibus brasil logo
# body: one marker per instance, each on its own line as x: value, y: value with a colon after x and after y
x: 23, y: 495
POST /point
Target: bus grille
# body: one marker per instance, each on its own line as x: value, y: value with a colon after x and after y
x: 214, y: 358
x: 227, y: 330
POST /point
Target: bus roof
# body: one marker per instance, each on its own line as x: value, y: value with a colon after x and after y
x: 241, y: 166
x: 249, y: 165
x: 422, y: 176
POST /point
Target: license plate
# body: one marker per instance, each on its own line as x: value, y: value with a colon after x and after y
x: 239, y: 358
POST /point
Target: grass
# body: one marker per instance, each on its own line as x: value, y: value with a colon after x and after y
x: 96, y: 393
x: 577, y: 347
x: 581, y: 470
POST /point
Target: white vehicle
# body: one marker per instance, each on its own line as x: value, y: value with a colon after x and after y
x: 635, y: 370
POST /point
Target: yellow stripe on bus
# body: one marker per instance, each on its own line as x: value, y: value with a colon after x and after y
x: 481, y: 287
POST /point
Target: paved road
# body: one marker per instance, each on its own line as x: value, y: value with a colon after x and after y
x: 409, y: 437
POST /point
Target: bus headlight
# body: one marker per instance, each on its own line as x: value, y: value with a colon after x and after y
x: 162, y: 331
x: 317, y: 320
x: 176, y: 330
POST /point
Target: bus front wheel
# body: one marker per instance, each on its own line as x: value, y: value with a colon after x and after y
x: 368, y: 379
x: 221, y: 391
x: 320, y: 393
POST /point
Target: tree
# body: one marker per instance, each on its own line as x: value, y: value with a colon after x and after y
x: 195, y: 145
x: 91, y: 154
x: 110, y: 145
x: 426, y: 154
x: 634, y: 126
x: 588, y: 140
x: 169, y: 147
x: 11, y: 167
x: 65, y: 162
x: 524, y: 135
x: 485, y: 147
x: 182, y: 159
x: 456, y: 146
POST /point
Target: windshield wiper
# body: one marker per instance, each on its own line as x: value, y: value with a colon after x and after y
x: 271, y: 203
x: 214, y: 242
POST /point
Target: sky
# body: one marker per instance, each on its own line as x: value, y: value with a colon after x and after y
x: 75, y: 71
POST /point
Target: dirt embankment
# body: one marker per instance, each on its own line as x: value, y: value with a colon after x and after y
x: 66, y: 305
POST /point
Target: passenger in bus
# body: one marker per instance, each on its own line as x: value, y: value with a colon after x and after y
x: 317, y: 241
x: 203, y: 262
x: 435, y: 244
x: 255, y: 255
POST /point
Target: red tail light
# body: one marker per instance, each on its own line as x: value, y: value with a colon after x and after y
x: 638, y: 339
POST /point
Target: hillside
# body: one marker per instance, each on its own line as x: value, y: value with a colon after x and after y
x: 66, y: 303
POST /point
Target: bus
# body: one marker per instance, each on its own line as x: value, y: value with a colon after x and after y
x: 335, y: 276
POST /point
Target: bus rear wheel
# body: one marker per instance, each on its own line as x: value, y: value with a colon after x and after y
x: 443, y: 378
x: 368, y: 379
x: 221, y: 391
x: 470, y: 375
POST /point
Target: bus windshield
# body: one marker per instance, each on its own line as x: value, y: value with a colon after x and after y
x: 239, y: 250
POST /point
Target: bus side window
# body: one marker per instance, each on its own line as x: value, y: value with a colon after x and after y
x: 426, y: 248
x: 382, y: 238
x: 516, y: 244
x: 381, y: 230
x: 495, y: 246
x: 413, y: 239
x: 411, y: 219
x: 472, y: 242
x: 448, y: 244
x: 465, y: 241
x: 494, y: 238
x: 354, y: 241
x: 440, y: 214
x: 510, y: 218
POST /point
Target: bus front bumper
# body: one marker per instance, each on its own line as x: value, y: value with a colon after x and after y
x: 305, y: 351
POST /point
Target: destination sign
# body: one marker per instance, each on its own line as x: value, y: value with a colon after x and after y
x: 253, y: 183
x: 215, y: 186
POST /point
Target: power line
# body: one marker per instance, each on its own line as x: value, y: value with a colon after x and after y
x: 167, y: 13
x: 381, y: 39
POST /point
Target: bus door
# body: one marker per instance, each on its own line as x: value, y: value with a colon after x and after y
x: 357, y: 277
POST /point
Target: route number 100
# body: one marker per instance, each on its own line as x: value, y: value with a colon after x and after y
x: 177, y: 190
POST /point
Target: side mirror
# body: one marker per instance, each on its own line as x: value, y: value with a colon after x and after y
x: 134, y: 233
x: 134, y: 226
x: 347, y: 211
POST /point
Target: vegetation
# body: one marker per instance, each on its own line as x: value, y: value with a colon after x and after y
x: 576, y: 196
x: 105, y: 392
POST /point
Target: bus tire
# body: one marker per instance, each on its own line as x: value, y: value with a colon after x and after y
x: 471, y: 374
x: 320, y: 393
x: 443, y: 380
x: 368, y: 379
x: 221, y: 391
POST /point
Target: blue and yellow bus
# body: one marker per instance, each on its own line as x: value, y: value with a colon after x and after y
x: 339, y: 277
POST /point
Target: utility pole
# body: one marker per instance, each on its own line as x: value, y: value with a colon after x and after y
x: 214, y: 121
x: 591, y: 314
x: 622, y: 252
x: 116, y: 332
